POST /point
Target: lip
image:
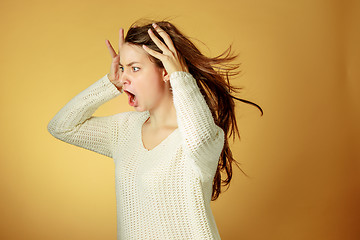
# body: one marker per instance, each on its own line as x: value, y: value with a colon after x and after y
x: 131, y: 103
x: 127, y: 90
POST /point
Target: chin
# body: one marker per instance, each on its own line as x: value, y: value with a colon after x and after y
x: 140, y: 109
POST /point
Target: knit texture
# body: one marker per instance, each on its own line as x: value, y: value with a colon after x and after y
x: 162, y: 193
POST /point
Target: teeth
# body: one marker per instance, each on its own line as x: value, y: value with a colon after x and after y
x: 133, y: 100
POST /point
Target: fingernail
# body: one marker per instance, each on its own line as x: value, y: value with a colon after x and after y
x: 154, y: 25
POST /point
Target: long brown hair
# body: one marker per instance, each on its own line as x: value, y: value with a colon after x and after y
x: 212, y: 76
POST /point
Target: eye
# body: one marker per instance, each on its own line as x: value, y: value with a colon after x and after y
x: 121, y: 68
x: 135, y: 69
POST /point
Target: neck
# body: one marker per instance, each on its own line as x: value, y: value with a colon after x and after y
x: 164, y: 116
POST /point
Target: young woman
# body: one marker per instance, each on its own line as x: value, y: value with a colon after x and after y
x: 169, y: 153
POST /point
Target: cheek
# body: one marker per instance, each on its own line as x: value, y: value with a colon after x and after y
x: 156, y: 90
x: 154, y: 78
x: 152, y: 85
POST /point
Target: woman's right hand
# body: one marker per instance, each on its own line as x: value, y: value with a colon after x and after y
x: 115, y: 71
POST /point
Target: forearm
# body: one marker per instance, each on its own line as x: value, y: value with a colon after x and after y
x: 83, y: 105
x: 194, y: 116
x: 75, y: 124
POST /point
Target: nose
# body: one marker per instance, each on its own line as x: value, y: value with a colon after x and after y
x: 124, y: 78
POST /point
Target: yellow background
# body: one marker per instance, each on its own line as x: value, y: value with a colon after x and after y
x: 300, y: 63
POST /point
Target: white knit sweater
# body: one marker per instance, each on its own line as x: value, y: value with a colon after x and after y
x: 163, y: 193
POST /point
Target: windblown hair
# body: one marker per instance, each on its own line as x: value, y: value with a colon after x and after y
x: 212, y: 76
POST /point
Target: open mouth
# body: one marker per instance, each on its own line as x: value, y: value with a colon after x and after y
x: 132, y: 98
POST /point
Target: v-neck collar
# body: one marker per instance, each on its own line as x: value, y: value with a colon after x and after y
x: 142, y: 120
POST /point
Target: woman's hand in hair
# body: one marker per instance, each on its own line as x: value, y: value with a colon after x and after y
x: 169, y: 57
x: 114, y: 74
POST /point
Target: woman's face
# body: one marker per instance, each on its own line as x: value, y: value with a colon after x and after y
x: 142, y: 78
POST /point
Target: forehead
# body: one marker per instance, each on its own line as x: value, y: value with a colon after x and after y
x: 133, y: 53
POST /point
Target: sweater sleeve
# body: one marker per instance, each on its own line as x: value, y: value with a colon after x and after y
x: 203, y: 139
x: 75, y: 124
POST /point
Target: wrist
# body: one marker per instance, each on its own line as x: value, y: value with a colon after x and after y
x: 110, y: 79
x: 117, y: 85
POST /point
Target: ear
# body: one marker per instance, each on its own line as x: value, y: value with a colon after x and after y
x: 165, y: 75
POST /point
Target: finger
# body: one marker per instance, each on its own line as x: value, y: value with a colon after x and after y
x: 121, y: 38
x: 158, y: 43
x: 154, y: 53
x: 111, y: 49
x: 165, y: 36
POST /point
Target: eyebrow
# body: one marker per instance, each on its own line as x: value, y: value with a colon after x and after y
x: 129, y: 64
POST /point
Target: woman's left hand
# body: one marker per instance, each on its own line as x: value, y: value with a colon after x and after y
x: 169, y: 57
